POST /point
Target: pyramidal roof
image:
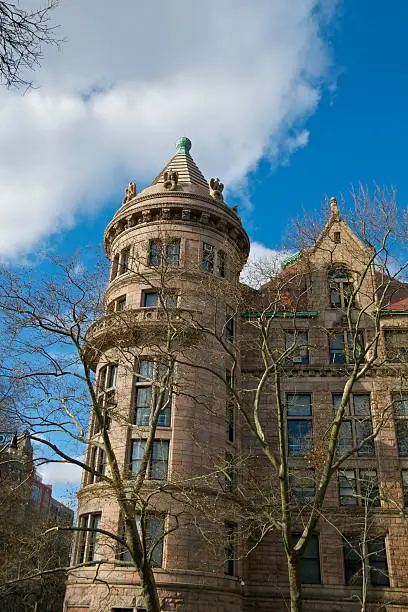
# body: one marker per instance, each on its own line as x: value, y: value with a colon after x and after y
x: 184, y: 165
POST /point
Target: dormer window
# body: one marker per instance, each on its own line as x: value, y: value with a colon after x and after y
x: 340, y: 287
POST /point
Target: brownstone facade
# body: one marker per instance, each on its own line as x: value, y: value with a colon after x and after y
x: 183, y: 221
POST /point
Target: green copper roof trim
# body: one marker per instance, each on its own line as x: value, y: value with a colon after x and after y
x: 310, y: 314
x: 291, y: 260
x: 183, y: 145
x: 392, y: 313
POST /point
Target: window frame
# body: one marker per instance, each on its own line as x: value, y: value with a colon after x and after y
x: 97, y: 462
x: 295, y: 356
x: 105, y: 392
x: 163, y: 251
x: 306, y: 558
x: 229, y: 549
x: 124, y: 261
x: 401, y: 352
x: 152, y: 462
x: 349, y: 353
x: 358, y: 494
x: 87, y: 542
x: 123, y: 553
x: 221, y: 263
x: 351, y: 418
x: 143, y: 382
x: 338, y: 284
x: 299, y: 418
x: 400, y: 401
x: 208, y: 257
x: 365, y: 555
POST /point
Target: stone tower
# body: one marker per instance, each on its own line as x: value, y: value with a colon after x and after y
x: 176, y: 250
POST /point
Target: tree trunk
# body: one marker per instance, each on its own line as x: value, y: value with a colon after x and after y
x: 149, y: 589
x: 295, y: 589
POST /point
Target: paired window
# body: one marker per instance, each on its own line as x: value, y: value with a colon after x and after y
x: 150, y: 299
x: 309, y: 562
x: 148, y: 392
x: 340, y: 287
x: 107, y: 381
x: 372, y: 556
x: 164, y: 253
x: 120, y: 263
x: 297, y: 343
x: 396, y: 345
x: 299, y: 421
x: 401, y: 422
x: 97, y: 462
x: 212, y: 259
x: 153, y: 527
x: 118, y: 305
x: 88, y: 540
x: 358, y: 487
x: 158, y: 461
x: 356, y: 427
x: 345, y: 347
x: 229, y: 408
x: 229, y: 549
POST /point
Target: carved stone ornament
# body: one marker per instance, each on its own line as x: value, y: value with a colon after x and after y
x: 130, y: 221
x: 170, y: 179
x: 146, y: 216
x: 216, y: 188
x: 165, y: 213
x: 185, y: 214
x: 130, y: 192
x: 205, y: 217
x: 334, y: 207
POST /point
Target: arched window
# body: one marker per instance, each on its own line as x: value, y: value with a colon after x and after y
x: 340, y: 287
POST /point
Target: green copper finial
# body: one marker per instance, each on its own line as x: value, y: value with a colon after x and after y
x: 183, y: 145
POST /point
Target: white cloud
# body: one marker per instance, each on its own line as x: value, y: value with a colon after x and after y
x: 263, y: 263
x: 238, y: 80
x: 67, y: 474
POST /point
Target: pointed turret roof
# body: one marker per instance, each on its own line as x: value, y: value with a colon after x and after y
x: 184, y: 165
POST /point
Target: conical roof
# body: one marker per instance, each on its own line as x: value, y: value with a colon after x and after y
x: 184, y: 165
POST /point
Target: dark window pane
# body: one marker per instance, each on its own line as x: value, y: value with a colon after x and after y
x: 345, y: 439
x: 352, y: 562
x: 347, y: 488
x: 337, y: 349
x: 155, y: 253
x: 159, y: 461
x: 401, y: 404
x: 299, y: 437
x: 363, y: 430
x: 377, y: 559
x: 221, y: 263
x: 154, y: 537
x: 299, y: 343
x: 138, y: 447
x: 229, y: 549
x: 143, y: 405
x: 309, y: 562
x: 150, y: 299
x: 299, y: 405
x: 405, y: 486
x: 208, y: 257
x: 173, y: 253
x: 361, y: 405
x: 402, y: 437
x: 369, y: 490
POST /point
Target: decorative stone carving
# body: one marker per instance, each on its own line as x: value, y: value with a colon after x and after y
x: 165, y: 213
x: 170, y: 180
x: 205, y: 217
x: 216, y: 189
x: 146, y: 216
x: 129, y: 221
x: 222, y: 226
x: 185, y: 214
x: 235, y: 209
x: 130, y: 192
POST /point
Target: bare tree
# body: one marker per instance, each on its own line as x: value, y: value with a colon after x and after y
x: 23, y: 35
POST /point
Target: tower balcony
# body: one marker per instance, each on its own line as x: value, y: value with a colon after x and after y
x: 140, y: 326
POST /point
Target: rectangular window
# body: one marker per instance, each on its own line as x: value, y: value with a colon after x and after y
x: 119, y: 305
x: 230, y: 325
x: 229, y: 549
x: 396, y: 345
x: 154, y: 533
x: 148, y: 391
x: 173, y: 253
x: 343, y: 349
x: 88, y: 540
x: 98, y: 463
x: 302, y: 486
x: 124, y: 261
x: 358, y: 487
x: 115, y: 267
x: 400, y: 401
x: 340, y: 286
x: 357, y: 425
x: 107, y: 381
x: 309, y: 562
x: 229, y: 408
x: 299, y: 420
x: 158, y: 461
x: 371, y: 555
x: 207, y: 263
x: 155, y: 253
x: 297, y: 343
x: 221, y: 263
x: 404, y: 474
x: 151, y: 299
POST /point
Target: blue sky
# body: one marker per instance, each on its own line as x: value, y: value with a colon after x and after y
x: 287, y: 104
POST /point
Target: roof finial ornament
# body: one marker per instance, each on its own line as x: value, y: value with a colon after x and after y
x: 334, y: 208
x: 183, y: 145
x: 130, y: 192
x: 216, y: 189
